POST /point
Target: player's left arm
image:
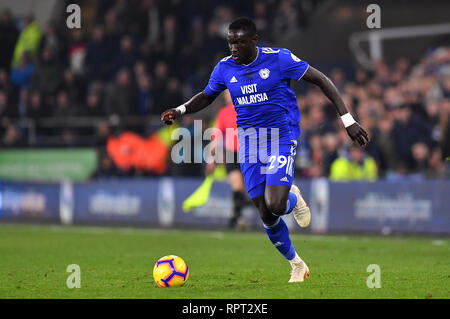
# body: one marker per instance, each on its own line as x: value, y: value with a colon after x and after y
x: 354, y: 130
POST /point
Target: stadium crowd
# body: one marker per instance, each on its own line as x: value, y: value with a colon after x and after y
x: 140, y: 57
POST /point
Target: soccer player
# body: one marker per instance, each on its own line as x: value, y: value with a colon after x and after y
x: 258, y: 79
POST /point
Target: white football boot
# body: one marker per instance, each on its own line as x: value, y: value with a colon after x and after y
x: 301, y: 211
x: 299, y: 272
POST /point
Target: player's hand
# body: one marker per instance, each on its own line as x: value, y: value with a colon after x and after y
x: 169, y: 116
x: 358, y: 134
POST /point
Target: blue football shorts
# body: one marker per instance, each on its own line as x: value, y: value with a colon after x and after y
x: 260, y: 170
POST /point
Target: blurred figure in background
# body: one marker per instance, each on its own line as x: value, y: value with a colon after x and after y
x: 226, y: 123
x: 8, y: 37
x: 106, y: 167
x: 420, y: 154
x: 12, y: 137
x: 408, y: 129
x: 21, y: 74
x: 48, y: 74
x: 98, y: 54
x: 29, y: 40
x: 121, y: 95
x: 356, y: 167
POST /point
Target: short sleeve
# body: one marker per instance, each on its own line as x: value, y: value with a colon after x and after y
x: 291, y: 67
x: 216, y: 84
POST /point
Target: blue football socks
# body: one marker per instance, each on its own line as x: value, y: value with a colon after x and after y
x: 279, y: 236
x: 291, y: 202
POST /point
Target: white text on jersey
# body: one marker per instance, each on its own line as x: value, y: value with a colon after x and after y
x: 247, y: 89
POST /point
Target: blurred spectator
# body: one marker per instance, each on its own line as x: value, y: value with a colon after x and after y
x: 125, y: 56
x: 7, y: 110
x: 420, y: 153
x: 22, y: 104
x: 172, y: 96
x: 330, y: 145
x: 35, y: 107
x: 47, y: 76
x: 106, y: 167
x: 76, y: 51
x: 338, y: 78
x: 170, y: 35
x: 315, y: 168
x: 8, y: 37
x: 12, y: 137
x: 97, y: 55
x: 260, y: 17
x: 151, y: 22
x: 102, y: 134
x: 189, y: 167
x: 446, y: 87
x: 52, y: 40
x: 436, y: 167
x: 68, y: 138
x: 144, y: 95
x: 361, y: 77
x: 121, y: 96
x: 29, y: 39
x: 356, y: 167
x: 216, y: 45
x: 161, y: 75
x: 64, y: 107
x: 285, y: 20
x: 73, y: 85
x: 21, y: 74
x: 140, y: 68
x: 318, y: 121
x: 94, y: 107
x: 388, y: 155
x: 408, y: 129
x: 445, y: 129
x: 114, y: 27
x: 5, y: 84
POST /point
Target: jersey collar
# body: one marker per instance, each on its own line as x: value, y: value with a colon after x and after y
x: 257, y: 55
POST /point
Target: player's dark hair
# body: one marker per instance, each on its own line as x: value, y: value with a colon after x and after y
x: 244, y: 24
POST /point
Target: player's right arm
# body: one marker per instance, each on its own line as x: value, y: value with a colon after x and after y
x: 196, y: 103
x: 199, y: 101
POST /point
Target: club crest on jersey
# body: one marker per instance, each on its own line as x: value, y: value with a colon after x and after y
x: 264, y: 73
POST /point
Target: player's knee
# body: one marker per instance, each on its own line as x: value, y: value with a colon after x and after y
x: 275, y: 206
x: 267, y: 217
x: 275, y: 200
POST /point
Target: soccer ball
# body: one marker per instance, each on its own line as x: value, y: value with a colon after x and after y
x: 170, y: 271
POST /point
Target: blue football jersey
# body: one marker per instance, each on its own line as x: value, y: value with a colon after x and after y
x: 261, y: 90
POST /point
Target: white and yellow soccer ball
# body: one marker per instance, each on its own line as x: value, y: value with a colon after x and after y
x: 170, y: 271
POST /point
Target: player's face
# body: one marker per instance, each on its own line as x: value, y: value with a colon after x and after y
x: 242, y: 46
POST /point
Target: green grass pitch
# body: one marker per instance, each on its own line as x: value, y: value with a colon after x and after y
x: 118, y: 263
